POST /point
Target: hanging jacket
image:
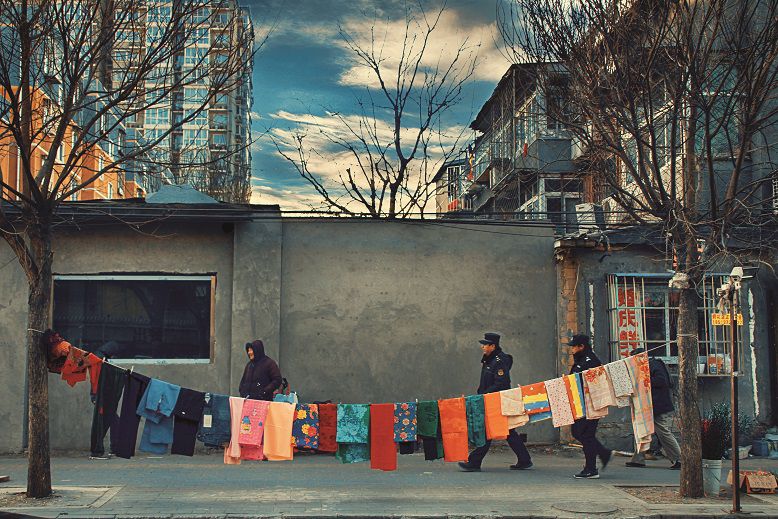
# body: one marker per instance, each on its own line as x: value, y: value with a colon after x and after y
x: 495, y: 372
x: 661, y: 386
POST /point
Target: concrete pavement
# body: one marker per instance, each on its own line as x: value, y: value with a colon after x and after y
x: 319, y: 486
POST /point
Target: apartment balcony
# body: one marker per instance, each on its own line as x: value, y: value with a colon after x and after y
x: 546, y: 154
x: 481, y: 198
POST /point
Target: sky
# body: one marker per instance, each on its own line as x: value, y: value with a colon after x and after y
x: 304, y: 72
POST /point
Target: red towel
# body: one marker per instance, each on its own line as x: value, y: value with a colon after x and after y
x: 328, y: 427
x: 383, y: 450
x: 453, y: 424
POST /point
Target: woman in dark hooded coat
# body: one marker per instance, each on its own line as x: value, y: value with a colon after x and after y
x: 261, y: 376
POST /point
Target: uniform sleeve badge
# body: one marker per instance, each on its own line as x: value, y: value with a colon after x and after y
x: 500, y: 372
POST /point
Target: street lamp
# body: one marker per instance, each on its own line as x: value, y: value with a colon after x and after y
x: 730, y: 293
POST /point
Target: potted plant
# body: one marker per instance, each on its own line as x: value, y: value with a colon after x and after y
x: 715, y: 438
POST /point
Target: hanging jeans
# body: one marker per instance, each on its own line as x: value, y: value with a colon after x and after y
x: 584, y: 431
x: 127, y: 432
x: 517, y: 446
x: 109, y: 392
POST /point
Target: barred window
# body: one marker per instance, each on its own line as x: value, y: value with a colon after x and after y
x: 643, y: 313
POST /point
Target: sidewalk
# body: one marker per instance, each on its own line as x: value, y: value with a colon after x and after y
x: 319, y: 486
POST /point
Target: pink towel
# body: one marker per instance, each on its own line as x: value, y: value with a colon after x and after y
x: 232, y: 450
x: 559, y: 400
x: 252, y: 428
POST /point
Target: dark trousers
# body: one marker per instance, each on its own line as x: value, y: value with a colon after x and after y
x: 516, y: 443
x: 109, y: 391
x: 127, y: 431
x: 584, y: 431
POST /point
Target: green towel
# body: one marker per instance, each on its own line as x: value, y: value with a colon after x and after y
x: 353, y: 452
x: 476, y: 421
x: 427, y: 418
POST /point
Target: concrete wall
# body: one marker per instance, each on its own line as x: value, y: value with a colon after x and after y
x: 354, y: 311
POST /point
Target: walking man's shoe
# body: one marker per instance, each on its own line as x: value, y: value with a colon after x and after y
x: 605, y: 459
x: 465, y: 466
x: 635, y: 464
x: 676, y: 466
x: 522, y: 466
x: 98, y: 457
x: 587, y: 474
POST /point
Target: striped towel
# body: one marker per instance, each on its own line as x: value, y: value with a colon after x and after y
x: 575, y: 392
x: 536, y: 402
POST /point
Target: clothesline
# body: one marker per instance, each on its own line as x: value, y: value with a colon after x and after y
x: 252, y: 429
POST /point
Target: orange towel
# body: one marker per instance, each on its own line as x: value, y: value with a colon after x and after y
x: 383, y: 450
x: 453, y: 424
x: 496, y: 422
x: 277, y: 445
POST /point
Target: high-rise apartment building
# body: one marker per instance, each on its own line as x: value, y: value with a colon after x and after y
x: 209, y: 147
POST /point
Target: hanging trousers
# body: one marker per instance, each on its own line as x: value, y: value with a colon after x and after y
x: 127, y: 432
x: 584, y: 431
x: 517, y: 446
x: 109, y: 391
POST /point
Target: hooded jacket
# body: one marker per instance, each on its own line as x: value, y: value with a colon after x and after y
x: 495, y: 372
x: 261, y: 376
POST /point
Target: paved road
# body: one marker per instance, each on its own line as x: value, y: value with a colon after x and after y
x: 314, y: 486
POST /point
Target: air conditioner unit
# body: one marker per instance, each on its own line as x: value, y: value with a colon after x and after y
x: 590, y: 218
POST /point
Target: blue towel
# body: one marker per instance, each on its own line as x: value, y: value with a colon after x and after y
x: 156, y: 406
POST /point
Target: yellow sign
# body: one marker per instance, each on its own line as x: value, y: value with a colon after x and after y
x: 723, y: 319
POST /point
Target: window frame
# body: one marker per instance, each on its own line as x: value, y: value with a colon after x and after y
x: 211, y: 278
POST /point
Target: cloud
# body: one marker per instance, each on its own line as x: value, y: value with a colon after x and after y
x: 287, y: 199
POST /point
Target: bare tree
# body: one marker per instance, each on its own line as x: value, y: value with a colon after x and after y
x: 67, y: 102
x: 391, y: 164
x: 675, y: 103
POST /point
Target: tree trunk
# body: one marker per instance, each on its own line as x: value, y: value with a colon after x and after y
x: 688, y: 351
x: 39, y: 466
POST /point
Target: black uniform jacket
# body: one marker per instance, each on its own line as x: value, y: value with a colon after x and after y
x: 495, y: 372
x: 583, y: 360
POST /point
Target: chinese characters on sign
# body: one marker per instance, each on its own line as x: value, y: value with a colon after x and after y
x: 630, y: 325
x: 723, y: 319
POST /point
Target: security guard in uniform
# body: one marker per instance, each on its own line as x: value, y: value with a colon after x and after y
x: 496, y: 376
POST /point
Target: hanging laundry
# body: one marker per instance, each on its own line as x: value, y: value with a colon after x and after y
x: 640, y: 403
x: 618, y: 374
x: 591, y: 412
x: 127, y: 430
x: 405, y: 422
x: 512, y: 407
x: 536, y: 402
x: 476, y: 420
x: 496, y: 423
x: 328, y: 428
x: 278, y: 431
x: 575, y: 394
x: 353, y: 423
x: 77, y: 363
x: 353, y: 433
x: 186, y: 417
x: 252, y: 428
x: 429, y: 429
x: 214, y: 429
x: 353, y: 452
x: 559, y: 401
x: 599, y: 388
x: 383, y: 449
x: 407, y: 447
x: 109, y: 393
x: 232, y: 450
x: 156, y: 406
x: 305, y: 429
x: 453, y: 424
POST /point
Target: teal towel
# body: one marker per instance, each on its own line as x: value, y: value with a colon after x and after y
x: 353, y: 452
x: 476, y: 420
x: 353, y: 423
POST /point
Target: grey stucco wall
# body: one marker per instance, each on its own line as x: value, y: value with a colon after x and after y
x: 382, y: 311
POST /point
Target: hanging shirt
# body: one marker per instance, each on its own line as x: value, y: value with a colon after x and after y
x: 383, y: 449
x: 453, y: 425
x: 512, y: 407
x: 328, y: 428
x: 559, y: 402
x: 156, y: 406
x: 278, y: 431
x: 305, y: 429
x: 476, y: 420
x: 618, y: 375
x: 640, y: 403
x: 575, y: 393
x: 76, y: 365
x: 536, y: 402
x: 496, y: 423
x: 405, y: 422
